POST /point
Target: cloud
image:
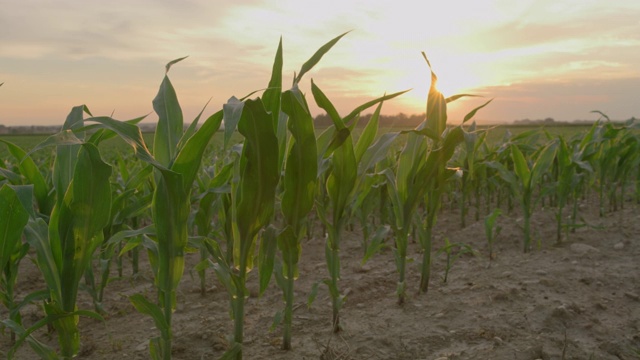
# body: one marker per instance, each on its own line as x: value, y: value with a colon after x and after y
x: 562, y: 100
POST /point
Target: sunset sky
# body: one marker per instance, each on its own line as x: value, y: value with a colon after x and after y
x: 538, y: 59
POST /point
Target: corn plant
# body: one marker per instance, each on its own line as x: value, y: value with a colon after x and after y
x: 453, y: 251
x: 252, y: 205
x: 177, y: 158
x: 422, y: 171
x: 300, y: 178
x: 525, y: 178
x: 14, y: 202
x: 472, y: 165
x: 130, y: 201
x: 31, y: 174
x: 341, y: 183
x: 65, y: 246
x: 492, y: 230
x: 571, y: 173
x: 370, y: 183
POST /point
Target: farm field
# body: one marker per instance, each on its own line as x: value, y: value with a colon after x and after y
x: 580, y: 298
x: 280, y: 240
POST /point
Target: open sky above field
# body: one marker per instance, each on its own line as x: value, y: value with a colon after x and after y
x: 537, y: 58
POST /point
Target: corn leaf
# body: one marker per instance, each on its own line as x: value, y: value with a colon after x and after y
x: 368, y: 134
x: 543, y: 162
x: 148, y: 308
x: 37, y: 235
x: 473, y: 112
x: 376, y: 152
x: 232, y: 112
x: 436, y: 104
x: 301, y: 166
x: 356, y: 112
x: 316, y: 58
x: 13, y: 219
x: 266, y: 257
x: 31, y: 172
x: 187, y: 162
x: 170, y: 211
x: 272, y: 96
x: 169, y: 129
x: 83, y: 214
x: 323, y: 102
x: 521, y: 167
x: 259, y: 178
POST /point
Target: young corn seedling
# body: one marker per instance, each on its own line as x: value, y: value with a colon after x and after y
x: 453, y: 252
x: 492, y: 230
x: 525, y: 178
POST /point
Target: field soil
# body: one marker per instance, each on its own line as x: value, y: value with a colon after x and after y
x: 576, y: 300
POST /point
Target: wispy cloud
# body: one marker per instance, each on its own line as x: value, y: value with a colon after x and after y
x: 54, y: 55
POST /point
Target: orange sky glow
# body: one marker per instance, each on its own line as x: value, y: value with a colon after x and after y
x: 537, y: 59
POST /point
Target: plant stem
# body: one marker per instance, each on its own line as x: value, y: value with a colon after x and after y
x: 333, y: 263
x: 238, y: 311
x: 527, y: 228
x: 401, y: 260
x: 167, y: 315
x: 426, y: 258
x: 288, y: 310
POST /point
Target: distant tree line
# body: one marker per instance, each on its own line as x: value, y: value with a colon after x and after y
x: 398, y: 120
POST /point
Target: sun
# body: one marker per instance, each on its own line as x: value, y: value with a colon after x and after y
x: 453, y: 77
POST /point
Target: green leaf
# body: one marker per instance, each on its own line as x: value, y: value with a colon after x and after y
x: 31, y: 172
x: 458, y: 96
x: 277, y: 320
x: 323, y: 102
x: 436, y: 105
x: 84, y: 212
x: 313, y: 294
x: 272, y: 96
x: 36, y: 234
x: 473, y: 112
x: 232, y: 112
x: 377, y: 242
x: 44, y: 351
x: 301, y: 166
x: 170, y: 63
x: 132, y: 135
x: 289, y: 245
x: 169, y: 129
x: 368, y: 134
x: 188, y: 161
x: 376, y: 152
x: 146, y: 307
x: 233, y: 352
x: 356, y: 112
x: 266, y: 257
x: 316, y: 58
x: 193, y: 127
x: 66, y: 156
x: 342, y: 179
x: 259, y: 177
x: 13, y: 219
x: 521, y: 167
x: 543, y: 162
